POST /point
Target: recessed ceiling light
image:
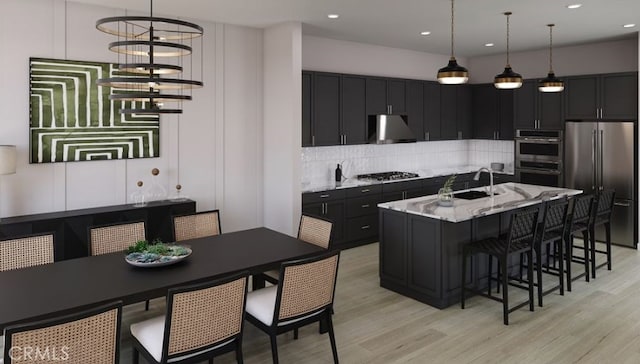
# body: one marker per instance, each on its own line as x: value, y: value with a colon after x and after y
x: 574, y: 6
x: 333, y: 16
x: 629, y: 25
x: 489, y: 44
x: 425, y: 33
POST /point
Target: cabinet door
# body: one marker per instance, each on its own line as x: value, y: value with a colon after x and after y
x: 524, y: 109
x: 415, y: 108
x: 581, y: 97
x: 423, y: 254
x: 463, y: 112
x: 306, y: 110
x: 334, y: 212
x: 376, y: 97
x: 396, y: 95
x: 550, y: 110
x: 619, y: 96
x: 485, y: 111
x: 431, y: 110
x: 393, y: 246
x: 505, y: 110
x: 326, y: 109
x: 354, y: 111
x: 448, y: 125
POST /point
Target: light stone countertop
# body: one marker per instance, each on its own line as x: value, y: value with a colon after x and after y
x: 508, y: 196
x: 428, y: 173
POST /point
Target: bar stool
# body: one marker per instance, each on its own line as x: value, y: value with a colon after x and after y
x: 552, y: 235
x: 581, y: 219
x: 520, y: 239
x: 604, y: 207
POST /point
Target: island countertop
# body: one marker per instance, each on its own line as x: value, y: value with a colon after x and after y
x: 507, y: 196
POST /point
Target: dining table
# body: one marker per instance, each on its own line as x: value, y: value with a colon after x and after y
x: 58, y: 288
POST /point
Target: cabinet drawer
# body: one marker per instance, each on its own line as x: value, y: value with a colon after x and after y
x: 374, y: 189
x: 322, y: 196
x: 363, y: 205
x: 401, y: 186
x: 362, y: 227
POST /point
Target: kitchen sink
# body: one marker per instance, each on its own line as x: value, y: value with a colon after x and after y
x: 472, y: 195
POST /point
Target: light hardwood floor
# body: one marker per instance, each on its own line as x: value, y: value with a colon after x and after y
x: 599, y: 322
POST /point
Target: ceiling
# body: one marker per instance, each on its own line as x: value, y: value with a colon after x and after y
x: 398, y: 23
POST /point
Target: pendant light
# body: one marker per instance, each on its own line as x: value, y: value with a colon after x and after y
x: 145, y: 73
x: 551, y: 83
x: 508, y: 79
x: 453, y: 74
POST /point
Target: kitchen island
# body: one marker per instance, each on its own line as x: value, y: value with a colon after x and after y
x: 421, y: 242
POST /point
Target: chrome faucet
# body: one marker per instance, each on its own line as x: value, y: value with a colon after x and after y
x: 488, y: 170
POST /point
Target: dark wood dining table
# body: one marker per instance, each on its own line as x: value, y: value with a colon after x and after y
x: 58, y: 288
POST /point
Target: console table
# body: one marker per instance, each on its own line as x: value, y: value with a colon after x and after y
x: 71, y: 227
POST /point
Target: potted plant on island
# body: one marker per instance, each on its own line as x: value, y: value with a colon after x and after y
x: 445, y: 194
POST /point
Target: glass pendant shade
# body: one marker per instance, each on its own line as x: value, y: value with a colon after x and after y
x: 453, y: 73
x: 507, y: 79
x: 551, y: 83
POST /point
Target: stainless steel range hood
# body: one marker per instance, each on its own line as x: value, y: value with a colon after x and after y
x: 387, y: 129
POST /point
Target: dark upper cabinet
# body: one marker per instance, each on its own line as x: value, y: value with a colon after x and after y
x: 455, y: 112
x: 607, y: 96
x: 415, y: 108
x: 307, y: 138
x: 386, y: 95
x: 486, y: 118
x: 354, y: 110
x: 326, y: 109
x: 533, y: 109
x: 432, y: 111
x: 506, y: 114
x: 463, y: 112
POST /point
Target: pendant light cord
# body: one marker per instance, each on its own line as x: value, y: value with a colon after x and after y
x: 452, y: 17
x: 550, y: 47
x: 508, y: 13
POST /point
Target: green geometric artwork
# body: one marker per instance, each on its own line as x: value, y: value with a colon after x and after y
x: 72, y: 119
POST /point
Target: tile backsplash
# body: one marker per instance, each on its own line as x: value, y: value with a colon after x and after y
x: 319, y: 163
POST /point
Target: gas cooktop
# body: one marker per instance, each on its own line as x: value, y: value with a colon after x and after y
x: 388, y: 176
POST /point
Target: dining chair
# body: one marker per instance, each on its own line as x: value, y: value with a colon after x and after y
x: 26, y: 251
x: 520, y: 239
x: 116, y: 237
x: 198, y: 225
x: 313, y: 230
x: 86, y: 336
x: 304, y: 296
x: 202, y: 321
x: 602, y: 217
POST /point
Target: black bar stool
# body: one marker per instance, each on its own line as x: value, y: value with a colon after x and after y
x: 581, y: 219
x: 520, y: 239
x: 604, y: 207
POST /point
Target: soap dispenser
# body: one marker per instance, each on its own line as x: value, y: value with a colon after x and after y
x: 338, y: 173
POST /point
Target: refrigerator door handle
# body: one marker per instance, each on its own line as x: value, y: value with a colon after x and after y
x: 593, y: 159
x: 600, y: 162
x: 622, y: 204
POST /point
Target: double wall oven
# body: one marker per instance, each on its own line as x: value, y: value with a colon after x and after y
x: 539, y: 155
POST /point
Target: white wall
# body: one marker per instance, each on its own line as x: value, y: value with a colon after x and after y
x: 605, y: 57
x: 330, y: 55
x: 213, y: 149
x: 282, y: 126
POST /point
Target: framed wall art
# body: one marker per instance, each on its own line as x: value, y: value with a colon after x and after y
x: 72, y: 119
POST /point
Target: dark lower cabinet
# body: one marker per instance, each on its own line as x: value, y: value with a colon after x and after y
x: 421, y: 257
x: 71, y: 227
x: 332, y: 211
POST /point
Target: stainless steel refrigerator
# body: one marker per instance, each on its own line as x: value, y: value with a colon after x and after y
x: 601, y: 155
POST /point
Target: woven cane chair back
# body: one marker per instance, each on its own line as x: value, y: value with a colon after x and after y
x: 306, y: 287
x: 115, y: 238
x: 26, y: 252
x: 315, y: 231
x: 203, y: 317
x: 196, y: 225
x: 91, y: 336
